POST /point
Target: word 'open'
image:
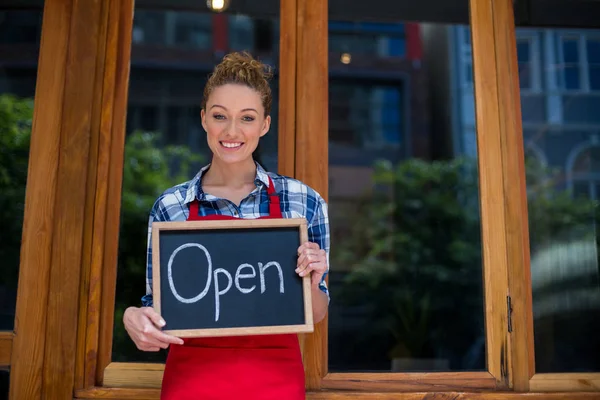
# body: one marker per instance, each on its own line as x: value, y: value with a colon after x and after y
x: 213, y: 276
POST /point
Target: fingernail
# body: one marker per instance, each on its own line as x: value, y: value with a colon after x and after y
x: 162, y: 322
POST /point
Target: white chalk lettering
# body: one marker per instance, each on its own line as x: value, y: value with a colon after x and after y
x: 239, y: 276
x: 213, y: 277
x: 218, y: 292
x: 170, y: 273
x: 262, y: 275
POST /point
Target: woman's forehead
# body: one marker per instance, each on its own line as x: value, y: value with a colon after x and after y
x: 234, y: 96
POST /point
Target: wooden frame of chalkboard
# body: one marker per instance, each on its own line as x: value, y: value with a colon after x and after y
x: 162, y: 229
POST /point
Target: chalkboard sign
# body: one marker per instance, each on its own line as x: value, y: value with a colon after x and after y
x: 230, y: 277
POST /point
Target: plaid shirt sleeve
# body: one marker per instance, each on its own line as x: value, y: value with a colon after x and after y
x: 318, y: 232
x: 154, y: 216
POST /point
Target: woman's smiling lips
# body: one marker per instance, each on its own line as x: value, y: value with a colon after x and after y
x: 231, y: 145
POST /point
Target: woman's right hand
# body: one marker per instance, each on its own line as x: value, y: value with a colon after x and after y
x: 143, y: 326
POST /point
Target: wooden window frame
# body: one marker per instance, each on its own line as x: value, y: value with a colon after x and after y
x: 311, y: 163
x: 524, y: 376
x: 65, y: 307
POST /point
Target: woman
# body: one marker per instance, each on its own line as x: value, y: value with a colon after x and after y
x: 235, y: 114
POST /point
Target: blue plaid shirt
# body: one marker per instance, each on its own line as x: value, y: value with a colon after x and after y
x: 297, y: 201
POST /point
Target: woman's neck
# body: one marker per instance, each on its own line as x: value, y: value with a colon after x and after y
x: 230, y: 175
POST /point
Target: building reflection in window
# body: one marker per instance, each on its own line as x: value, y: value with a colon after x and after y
x: 562, y: 125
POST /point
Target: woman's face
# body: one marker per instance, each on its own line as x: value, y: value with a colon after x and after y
x: 234, y: 120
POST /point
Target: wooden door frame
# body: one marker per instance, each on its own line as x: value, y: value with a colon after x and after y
x: 76, y: 144
x: 493, y: 226
x: 517, y: 235
x: 65, y: 307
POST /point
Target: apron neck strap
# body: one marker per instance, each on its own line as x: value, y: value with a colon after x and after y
x: 274, y: 204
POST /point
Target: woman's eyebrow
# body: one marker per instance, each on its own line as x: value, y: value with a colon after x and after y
x: 225, y: 108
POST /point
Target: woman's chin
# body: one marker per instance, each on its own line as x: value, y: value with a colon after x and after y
x: 233, y: 158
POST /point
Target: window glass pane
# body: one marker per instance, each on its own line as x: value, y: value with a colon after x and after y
x: 469, y: 73
x: 20, y: 32
x: 403, y: 198
x: 563, y: 218
x: 570, y: 48
x: 523, y: 56
x: 173, y: 55
x: 4, y: 384
x: 593, y: 56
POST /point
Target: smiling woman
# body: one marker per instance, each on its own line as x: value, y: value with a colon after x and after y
x: 235, y: 115
x: 238, y: 129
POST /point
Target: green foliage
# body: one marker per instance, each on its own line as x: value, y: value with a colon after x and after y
x: 554, y: 215
x: 149, y: 169
x: 15, y: 130
x: 415, y: 250
x: 415, y: 246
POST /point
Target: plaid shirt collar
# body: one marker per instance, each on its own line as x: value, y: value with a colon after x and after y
x: 195, y: 191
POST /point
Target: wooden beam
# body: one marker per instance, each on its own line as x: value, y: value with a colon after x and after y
x: 87, y: 341
x: 287, y: 89
x: 84, y: 54
x: 40, y: 198
x: 409, y: 382
x: 81, y: 88
x: 6, y: 343
x: 572, y: 382
x: 129, y: 375
x: 492, y: 195
x: 515, y: 200
x: 154, y: 394
x: 109, y: 244
x: 312, y: 141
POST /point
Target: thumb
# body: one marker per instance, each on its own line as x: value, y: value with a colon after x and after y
x: 154, y: 317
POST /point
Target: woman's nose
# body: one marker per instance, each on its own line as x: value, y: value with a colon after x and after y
x: 232, y: 129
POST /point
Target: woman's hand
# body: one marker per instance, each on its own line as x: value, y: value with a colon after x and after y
x: 143, y: 326
x: 312, y: 258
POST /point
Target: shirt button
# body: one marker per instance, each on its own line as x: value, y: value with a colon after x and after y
x: 235, y: 214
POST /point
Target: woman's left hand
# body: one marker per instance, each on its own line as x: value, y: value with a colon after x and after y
x: 312, y: 258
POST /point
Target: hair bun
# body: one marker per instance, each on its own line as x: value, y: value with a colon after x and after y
x: 241, y: 68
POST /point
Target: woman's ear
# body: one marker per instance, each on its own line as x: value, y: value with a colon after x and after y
x: 266, y: 126
x: 203, y: 119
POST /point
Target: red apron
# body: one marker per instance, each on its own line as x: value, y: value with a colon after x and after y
x: 257, y: 367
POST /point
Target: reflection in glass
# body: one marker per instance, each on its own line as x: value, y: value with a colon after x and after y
x: 173, y: 52
x: 406, y: 267
x: 20, y: 33
x: 561, y: 129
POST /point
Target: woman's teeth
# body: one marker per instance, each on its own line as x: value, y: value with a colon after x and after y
x: 231, y: 145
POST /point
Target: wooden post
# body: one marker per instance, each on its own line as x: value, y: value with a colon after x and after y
x: 517, y: 233
x: 312, y: 142
x: 74, y: 99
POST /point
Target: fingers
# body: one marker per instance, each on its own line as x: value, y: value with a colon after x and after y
x: 315, y: 260
x: 310, y: 256
x: 154, y: 316
x: 143, y: 326
x: 308, y: 246
x: 152, y: 338
x: 168, y: 339
x: 318, y: 267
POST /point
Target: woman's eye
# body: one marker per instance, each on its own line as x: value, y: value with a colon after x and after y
x: 218, y: 116
x: 248, y: 118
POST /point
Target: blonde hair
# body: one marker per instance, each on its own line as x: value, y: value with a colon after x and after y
x: 242, y: 69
